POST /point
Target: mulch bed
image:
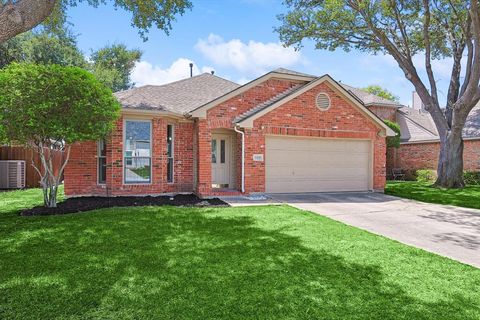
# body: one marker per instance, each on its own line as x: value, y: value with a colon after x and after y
x: 81, y: 204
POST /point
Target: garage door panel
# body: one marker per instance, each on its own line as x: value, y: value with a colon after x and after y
x: 317, y: 159
x: 316, y: 165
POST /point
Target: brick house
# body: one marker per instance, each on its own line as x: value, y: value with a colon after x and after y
x: 282, y: 132
x: 420, y: 144
x: 419, y: 141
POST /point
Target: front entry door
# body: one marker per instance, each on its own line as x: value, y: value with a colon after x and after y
x: 221, y: 160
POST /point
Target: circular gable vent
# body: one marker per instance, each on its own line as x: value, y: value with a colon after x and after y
x: 323, y: 101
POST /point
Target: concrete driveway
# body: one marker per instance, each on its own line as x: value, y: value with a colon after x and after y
x: 446, y: 230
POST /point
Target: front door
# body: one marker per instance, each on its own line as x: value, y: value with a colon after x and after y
x: 221, y: 160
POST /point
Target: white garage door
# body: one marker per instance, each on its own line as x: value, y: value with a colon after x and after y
x: 316, y: 165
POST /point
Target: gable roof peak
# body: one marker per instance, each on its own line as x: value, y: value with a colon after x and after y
x: 293, y: 72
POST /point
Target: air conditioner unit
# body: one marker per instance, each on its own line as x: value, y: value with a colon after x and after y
x: 12, y: 174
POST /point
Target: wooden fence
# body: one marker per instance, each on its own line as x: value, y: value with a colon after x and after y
x: 21, y: 153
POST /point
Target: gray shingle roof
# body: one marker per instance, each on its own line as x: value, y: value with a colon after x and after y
x: 178, y: 97
x: 418, y: 125
x: 368, y: 98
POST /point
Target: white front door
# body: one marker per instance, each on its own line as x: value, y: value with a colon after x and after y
x: 221, y: 160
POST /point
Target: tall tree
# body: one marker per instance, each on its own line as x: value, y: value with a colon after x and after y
x: 113, y: 64
x: 42, y: 47
x: 431, y: 28
x: 381, y: 92
x: 22, y: 15
x: 50, y: 107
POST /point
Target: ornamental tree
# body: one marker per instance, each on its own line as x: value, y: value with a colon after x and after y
x: 49, y: 107
x: 429, y: 29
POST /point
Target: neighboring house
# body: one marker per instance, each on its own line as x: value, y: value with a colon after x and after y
x: 420, y: 146
x: 419, y: 141
x: 282, y: 132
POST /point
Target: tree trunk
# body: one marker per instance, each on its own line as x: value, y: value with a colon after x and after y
x: 22, y: 15
x: 52, y: 197
x: 450, y: 161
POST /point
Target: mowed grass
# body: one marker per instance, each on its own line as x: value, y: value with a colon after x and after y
x: 272, y: 262
x: 468, y: 197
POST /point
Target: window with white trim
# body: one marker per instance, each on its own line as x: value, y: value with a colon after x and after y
x: 170, y: 152
x: 101, y: 161
x: 137, y: 151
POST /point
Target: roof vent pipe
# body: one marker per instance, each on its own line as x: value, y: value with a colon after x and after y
x: 191, y: 69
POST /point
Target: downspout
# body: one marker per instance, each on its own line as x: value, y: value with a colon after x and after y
x: 243, y: 156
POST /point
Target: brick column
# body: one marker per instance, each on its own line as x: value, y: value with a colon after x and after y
x: 204, y: 161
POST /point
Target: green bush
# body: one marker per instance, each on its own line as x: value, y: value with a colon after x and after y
x: 426, y: 175
x: 471, y: 177
x: 393, y: 141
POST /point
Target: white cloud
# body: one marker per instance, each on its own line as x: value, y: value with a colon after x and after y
x: 207, y: 69
x: 243, y: 80
x: 146, y: 73
x: 252, y: 57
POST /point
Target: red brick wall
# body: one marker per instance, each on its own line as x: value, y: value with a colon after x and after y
x: 417, y: 156
x: 81, y: 171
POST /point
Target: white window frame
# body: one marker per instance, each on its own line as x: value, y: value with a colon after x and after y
x: 173, y: 153
x: 99, y: 156
x: 125, y: 120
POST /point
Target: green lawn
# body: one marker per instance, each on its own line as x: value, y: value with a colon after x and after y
x: 468, y: 197
x: 272, y: 262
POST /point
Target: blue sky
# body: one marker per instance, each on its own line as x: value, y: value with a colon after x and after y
x: 237, y: 40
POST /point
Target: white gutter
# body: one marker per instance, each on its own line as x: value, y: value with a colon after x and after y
x: 243, y: 156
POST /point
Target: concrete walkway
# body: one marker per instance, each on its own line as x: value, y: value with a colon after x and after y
x: 449, y: 231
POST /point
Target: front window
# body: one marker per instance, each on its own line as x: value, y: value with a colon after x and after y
x: 138, y: 152
x: 102, y: 161
x: 170, y: 153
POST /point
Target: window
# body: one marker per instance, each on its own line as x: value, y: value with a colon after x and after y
x: 214, y: 151
x: 102, y: 161
x: 137, y: 151
x: 222, y: 151
x: 170, y: 153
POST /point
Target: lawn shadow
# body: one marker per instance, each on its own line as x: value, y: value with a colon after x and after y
x: 191, y: 264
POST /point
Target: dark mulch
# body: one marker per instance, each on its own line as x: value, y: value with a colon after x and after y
x: 81, y: 204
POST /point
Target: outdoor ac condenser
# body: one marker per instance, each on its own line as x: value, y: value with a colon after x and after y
x: 12, y: 174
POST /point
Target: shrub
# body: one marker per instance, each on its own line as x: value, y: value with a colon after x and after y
x: 471, y: 177
x: 393, y: 141
x: 426, y: 175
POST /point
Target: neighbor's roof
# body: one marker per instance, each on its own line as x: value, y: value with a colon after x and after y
x: 418, y: 125
x: 178, y: 97
x: 369, y: 99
